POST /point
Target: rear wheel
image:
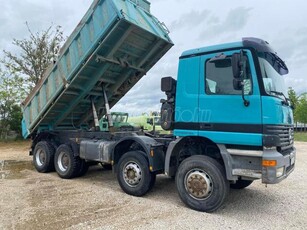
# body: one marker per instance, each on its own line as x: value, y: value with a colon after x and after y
x: 43, y: 157
x: 66, y: 164
x: 83, y: 168
x: 133, y: 174
x: 201, y: 183
x: 240, y: 184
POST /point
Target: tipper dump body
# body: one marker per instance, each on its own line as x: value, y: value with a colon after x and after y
x: 111, y: 49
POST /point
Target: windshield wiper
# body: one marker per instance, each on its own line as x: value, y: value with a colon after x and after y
x: 282, y: 94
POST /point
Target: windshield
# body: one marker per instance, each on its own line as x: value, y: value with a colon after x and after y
x: 157, y: 121
x: 274, y: 83
x: 124, y: 118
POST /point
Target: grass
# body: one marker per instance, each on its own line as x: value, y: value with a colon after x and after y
x: 300, y: 136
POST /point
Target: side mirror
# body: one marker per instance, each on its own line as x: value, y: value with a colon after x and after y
x: 235, y: 62
x: 238, y: 62
x: 237, y: 84
x: 168, y: 84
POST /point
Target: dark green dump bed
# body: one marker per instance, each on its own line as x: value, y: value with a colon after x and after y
x: 113, y: 47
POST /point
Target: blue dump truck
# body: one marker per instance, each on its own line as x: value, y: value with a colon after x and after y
x: 228, y: 109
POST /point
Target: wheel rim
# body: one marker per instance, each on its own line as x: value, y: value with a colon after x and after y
x: 40, y: 157
x: 132, y: 174
x: 63, y: 161
x: 198, y: 184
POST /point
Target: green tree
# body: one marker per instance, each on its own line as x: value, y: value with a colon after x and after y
x: 35, y: 54
x: 15, y: 119
x: 293, y: 100
x: 23, y: 71
x: 301, y: 110
x: 11, y: 94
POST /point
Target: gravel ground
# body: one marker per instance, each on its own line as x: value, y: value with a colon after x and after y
x: 31, y: 200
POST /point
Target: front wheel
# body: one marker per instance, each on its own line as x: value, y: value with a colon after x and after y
x: 240, y: 184
x: 133, y: 174
x: 201, y: 183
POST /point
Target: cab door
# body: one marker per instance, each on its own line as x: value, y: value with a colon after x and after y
x: 187, y: 97
x: 223, y: 116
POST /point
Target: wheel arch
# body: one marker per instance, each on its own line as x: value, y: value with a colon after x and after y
x: 184, y: 147
x: 143, y: 144
x: 43, y: 136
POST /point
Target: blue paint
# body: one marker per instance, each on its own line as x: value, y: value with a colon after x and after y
x: 24, y: 129
x: 213, y: 48
x: 187, y: 109
x: 195, y: 106
x: 276, y: 113
x: 252, y: 139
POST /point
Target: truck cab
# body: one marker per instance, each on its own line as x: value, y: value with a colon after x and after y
x: 233, y: 97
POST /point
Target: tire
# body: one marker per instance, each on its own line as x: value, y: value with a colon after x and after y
x: 83, y: 168
x: 43, y: 157
x: 152, y: 181
x: 240, y: 184
x: 66, y: 164
x: 201, y: 183
x: 133, y: 174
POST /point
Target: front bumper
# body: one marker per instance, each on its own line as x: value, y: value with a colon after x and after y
x: 287, y: 162
x: 247, y: 164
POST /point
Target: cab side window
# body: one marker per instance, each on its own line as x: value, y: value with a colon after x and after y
x: 219, y: 78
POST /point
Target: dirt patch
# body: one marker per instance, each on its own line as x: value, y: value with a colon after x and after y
x: 15, y: 150
x: 32, y: 200
x: 11, y: 169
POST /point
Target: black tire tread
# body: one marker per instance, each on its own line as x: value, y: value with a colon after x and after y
x: 50, y: 151
x: 83, y: 168
x: 148, y: 178
x: 241, y: 184
x: 212, y: 167
x: 75, y: 161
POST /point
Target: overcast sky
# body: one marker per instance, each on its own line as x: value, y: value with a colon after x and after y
x: 192, y: 24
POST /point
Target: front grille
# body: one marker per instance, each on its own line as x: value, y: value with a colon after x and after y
x: 285, y: 134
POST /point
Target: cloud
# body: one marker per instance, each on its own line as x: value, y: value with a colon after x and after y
x: 292, y: 47
x: 190, y: 19
x: 146, y: 94
x: 40, y: 15
x: 235, y: 21
x: 192, y: 24
x: 141, y: 99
